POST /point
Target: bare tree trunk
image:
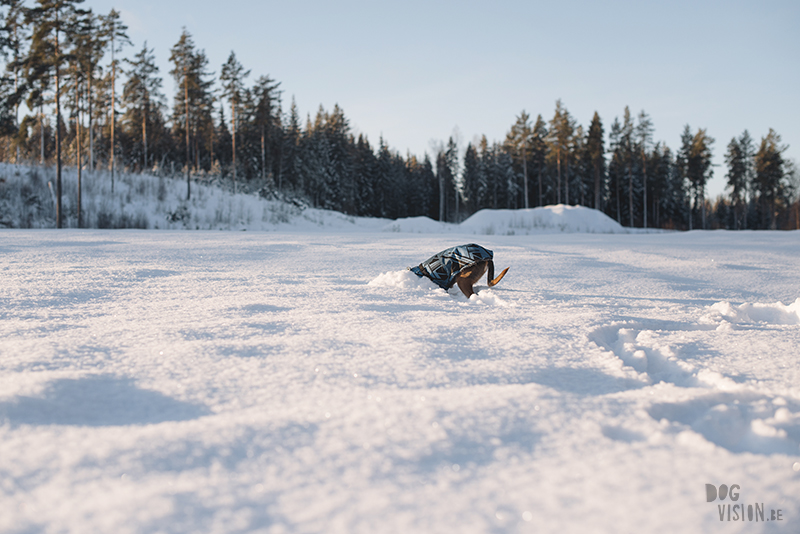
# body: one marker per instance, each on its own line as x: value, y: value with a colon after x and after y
x: 188, y: 156
x: 58, y: 134
x: 630, y: 196
x: 78, y: 155
x: 144, y: 137
x: 596, y: 189
x: 644, y: 170
x: 41, y: 134
x: 233, y: 124
x: 525, y: 173
x: 16, y: 106
x: 541, y: 202
x: 113, y: 108
x: 91, y: 128
x: 441, y: 196
x: 263, y: 158
x: 558, y: 167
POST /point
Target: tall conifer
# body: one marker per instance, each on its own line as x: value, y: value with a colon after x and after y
x: 51, y: 21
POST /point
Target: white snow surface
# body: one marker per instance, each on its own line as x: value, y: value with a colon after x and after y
x: 305, y: 381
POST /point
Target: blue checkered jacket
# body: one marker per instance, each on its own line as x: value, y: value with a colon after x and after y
x: 444, y: 267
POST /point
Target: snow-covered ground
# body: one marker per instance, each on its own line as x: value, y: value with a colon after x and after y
x: 303, y: 381
x: 159, y: 202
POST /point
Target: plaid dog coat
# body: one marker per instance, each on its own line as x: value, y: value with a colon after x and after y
x: 444, y: 267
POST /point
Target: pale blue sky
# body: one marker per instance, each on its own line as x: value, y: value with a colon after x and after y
x: 414, y: 71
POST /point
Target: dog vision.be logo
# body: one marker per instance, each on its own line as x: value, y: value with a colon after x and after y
x: 736, y: 511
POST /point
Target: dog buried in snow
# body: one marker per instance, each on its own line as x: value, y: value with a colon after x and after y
x: 462, y: 265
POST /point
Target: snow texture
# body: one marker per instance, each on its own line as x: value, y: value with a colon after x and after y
x: 303, y: 380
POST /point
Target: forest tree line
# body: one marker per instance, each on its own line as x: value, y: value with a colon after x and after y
x: 87, y: 107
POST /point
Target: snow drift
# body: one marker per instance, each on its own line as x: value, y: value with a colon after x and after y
x: 549, y: 219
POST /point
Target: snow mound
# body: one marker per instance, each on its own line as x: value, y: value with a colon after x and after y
x: 548, y: 219
x: 777, y: 313
x: 417, y: 225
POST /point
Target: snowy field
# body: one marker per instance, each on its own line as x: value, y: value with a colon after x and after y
x: 302, y: 381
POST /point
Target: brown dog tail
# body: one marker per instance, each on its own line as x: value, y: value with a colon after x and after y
x: 492, y: 280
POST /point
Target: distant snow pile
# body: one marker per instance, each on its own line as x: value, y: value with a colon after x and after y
x: 777, y: 313
x: 548, y: 219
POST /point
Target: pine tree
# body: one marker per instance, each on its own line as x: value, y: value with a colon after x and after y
x: 627, y: 153
x: 232, y: 78
x: 518, y: 141
x: 290, y: 162
x: 699, y: 169
x: 616, y: 169
x: 451, y: 159
x: 77, y: 42
x: 88, y: 48
x: 737, y: 179
x: 12, y: 45
x: 267, y: 120
x: 51, y: 22
x: 578, y: 151
x: 142, y: 94
x: 539, y: 153
x: 471, y: 178
x: 682, y: 168
x: 748, y: 155
x: 445, y: 164
x: 769, y: 171
x: 597, y: 160
x: 644, y: 137
x: 114, y: 32
x: 193, y: 99
x: 559, y: 138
